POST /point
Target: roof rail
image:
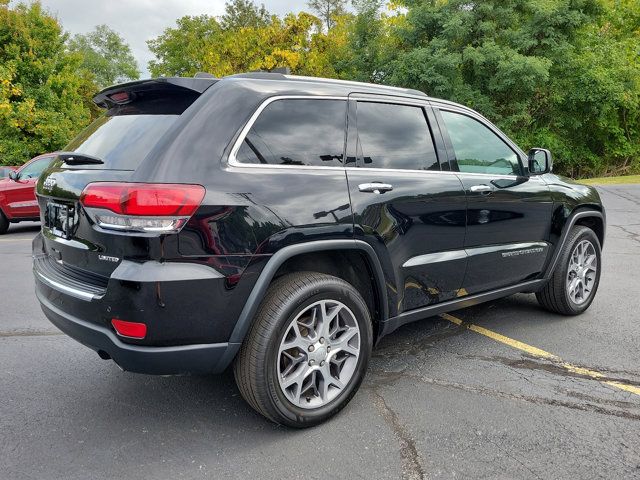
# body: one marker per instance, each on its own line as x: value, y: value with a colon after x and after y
x: 412, y: 91
x: 260, y: 74
x: 204, y: 75
x: 278, y: 75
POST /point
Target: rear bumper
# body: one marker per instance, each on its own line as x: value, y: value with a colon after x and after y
x: 190, y: 310
x: 183, y: 359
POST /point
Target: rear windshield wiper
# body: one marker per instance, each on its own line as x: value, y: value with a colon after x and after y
x: 75, y: 158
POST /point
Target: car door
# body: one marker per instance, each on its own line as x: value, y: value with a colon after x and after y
x: 411, y: 212
x: 21, y: 199
x: 508, y: 212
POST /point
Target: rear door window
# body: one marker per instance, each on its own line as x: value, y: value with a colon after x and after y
x: 302, y: 132
x: 394, y: 136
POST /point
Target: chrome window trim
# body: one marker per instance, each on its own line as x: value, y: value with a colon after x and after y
x: 380, y: 98
x: 423, y: 103
x: 437, y: 172
x: 233, y: 161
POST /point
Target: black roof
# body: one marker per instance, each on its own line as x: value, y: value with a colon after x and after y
x: 265, y: 84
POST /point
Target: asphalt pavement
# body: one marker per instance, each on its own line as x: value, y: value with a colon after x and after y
x: 441, y: 400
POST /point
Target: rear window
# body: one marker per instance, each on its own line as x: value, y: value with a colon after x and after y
x: 125, y: 135
x: 121, y: 142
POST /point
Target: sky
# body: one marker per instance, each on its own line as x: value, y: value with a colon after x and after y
x: 140, y: 20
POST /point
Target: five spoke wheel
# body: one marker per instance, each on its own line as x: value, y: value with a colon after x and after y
x: 318, y: 354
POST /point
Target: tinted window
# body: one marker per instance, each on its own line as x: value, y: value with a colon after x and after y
x: 34, y: 169
x: 121, y: 141
x: 297, y: 132
x: 394, y: 136
x: 477, y: 148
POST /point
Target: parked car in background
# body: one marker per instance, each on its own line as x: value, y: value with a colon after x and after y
x: 286, y: 224
x: 17, y: 192
x: 5, y: 170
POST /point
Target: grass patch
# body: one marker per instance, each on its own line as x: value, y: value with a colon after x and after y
x: 611, y: 180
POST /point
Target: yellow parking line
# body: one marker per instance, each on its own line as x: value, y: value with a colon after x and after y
x: 537, y: 352
x: 15, y: 239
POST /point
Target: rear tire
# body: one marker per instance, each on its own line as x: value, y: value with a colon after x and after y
x: 575, y: 280
x: 4, y: 223
x: 307, y: 351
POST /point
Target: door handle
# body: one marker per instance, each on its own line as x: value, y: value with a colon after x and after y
x: 375, y: 187
x: 481, y: 189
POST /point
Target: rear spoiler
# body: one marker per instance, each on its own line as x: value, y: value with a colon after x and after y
x: 109, y: 97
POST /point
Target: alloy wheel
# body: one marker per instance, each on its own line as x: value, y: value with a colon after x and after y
x: 318, y: 354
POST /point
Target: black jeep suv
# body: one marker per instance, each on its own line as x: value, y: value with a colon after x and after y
x: 285, y: 224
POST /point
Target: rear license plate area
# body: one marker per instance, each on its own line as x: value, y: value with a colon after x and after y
x: 59, y: 219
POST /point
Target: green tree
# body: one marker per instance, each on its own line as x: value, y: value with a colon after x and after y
x: 44, y: 91
x: 548, y: 73
x: 328, y: 10
x: 201, y: 44
x: 106, y: 55
x: 180, y: 50
x: 244, y: 13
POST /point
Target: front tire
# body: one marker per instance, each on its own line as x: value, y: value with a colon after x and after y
x: 4, y: 223
x: 307, y: 351
x: 576, y: 277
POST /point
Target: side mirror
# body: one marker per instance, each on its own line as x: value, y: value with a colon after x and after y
x: 540, y: 161
x: 13, y: 175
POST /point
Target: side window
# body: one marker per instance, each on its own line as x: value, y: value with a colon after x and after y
x: 297, y: 132
x: 34, y: 169
x: 394, y: 136
x: 477, y: 148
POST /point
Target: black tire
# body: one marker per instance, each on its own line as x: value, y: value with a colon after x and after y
x: 255, y: 367
x: 554, y: 296
x: 4, y: 223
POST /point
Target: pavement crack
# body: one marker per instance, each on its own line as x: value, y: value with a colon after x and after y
x: 631, y: 198
x: 420, y: 345
x: 631, y: 235
x: 411, y: 466
x: 585, y: 407
x: 558, y: 368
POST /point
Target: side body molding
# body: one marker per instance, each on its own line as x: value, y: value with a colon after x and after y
x: 275, y: 262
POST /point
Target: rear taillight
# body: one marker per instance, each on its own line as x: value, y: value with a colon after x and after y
x: 141, y: 207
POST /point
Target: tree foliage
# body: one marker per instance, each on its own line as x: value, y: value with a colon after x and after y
x: 106, y: 55
x: 550, y: 73
x: 44, y: 91
x: 328, y: 10
x: 561, y: 74
x: 244, y: 13
x: 245, y: 38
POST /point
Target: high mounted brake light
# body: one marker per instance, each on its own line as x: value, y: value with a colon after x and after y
x: 141, y: 207
x: 120, y: 97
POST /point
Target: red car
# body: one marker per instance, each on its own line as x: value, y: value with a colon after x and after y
x: 17, y: 192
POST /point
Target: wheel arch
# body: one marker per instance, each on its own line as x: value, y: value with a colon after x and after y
x: 292, y: 257
x: 587, y: 216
